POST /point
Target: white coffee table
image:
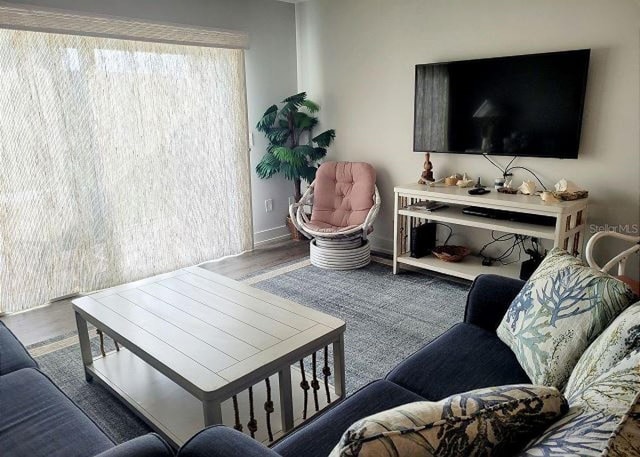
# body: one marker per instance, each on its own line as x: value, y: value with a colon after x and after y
x: 198, y: 348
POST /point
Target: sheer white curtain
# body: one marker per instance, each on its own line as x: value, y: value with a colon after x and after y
x: 118, y: 160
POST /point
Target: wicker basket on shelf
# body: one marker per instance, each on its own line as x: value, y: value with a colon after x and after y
x: 296, y: 235
x: 451, y: 253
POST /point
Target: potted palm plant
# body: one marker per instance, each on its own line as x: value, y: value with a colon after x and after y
x: 293, y: 150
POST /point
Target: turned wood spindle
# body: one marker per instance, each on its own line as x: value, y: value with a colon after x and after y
x: 268, y: 407
x: 252, y: 425
x: 236, y: 413
x: 315, y: 384
x: 305, y: 388
x: 326, y: 371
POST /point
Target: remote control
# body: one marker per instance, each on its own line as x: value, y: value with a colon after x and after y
x: 479, y: 191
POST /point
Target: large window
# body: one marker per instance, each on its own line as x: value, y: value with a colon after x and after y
x: 118, y: 160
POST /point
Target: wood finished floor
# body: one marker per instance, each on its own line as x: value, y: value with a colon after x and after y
x: 57, y: 318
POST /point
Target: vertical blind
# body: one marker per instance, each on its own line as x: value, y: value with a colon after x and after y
x: 118, y: 160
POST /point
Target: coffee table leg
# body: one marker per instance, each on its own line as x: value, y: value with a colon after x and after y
x: 85, y: 345
x: 286, y: 398
x: 338, y: 366
x: 212, y: 412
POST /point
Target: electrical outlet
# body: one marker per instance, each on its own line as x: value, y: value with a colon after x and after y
x: 292, y: 200
x: 268, y: 205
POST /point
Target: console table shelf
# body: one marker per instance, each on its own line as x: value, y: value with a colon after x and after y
x: 469, y: 268
x: 456, y: 216
x: 568, y: 231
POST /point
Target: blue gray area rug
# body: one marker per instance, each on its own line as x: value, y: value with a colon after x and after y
x: 388, y: 318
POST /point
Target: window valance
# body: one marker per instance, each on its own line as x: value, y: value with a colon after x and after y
x: 60, y: 21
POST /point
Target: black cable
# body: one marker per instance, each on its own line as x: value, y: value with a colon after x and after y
x: 486, y: 156
x: 518, y: 242
x: 493, y: 240
x: 536, y: 246
x: 521, y: 248
x: 510, y: 252
x: 506, y: 171
x: 450, y: 231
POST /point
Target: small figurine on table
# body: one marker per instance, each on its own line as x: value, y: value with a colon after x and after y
x: 427, y: 175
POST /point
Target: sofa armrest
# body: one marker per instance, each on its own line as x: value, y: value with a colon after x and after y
x: 488, y: 300
x: 13, y: 355
x: 221, y: 441
x: 150, y: 445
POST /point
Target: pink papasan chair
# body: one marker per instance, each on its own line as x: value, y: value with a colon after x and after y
x: 345, y: 201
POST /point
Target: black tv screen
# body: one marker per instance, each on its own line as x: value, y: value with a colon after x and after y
x: 528, y: 105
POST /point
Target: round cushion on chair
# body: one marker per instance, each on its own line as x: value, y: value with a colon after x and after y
x: 340, y: 259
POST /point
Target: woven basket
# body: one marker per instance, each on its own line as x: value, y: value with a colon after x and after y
x: 451, y: 253
x: 295, y: 234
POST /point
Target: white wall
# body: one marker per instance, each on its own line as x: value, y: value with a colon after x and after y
x: 270, y: 67
x: 357, y: 58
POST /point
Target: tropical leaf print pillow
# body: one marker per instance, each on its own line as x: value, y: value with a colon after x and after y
x: 600, y: 391
x: 560, y: 310
x: 593, y: 414
x: 620, y: 340
x: 625, y: 440
x: 494, y: 421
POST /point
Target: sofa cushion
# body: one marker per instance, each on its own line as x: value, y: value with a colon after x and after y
x: 343, y: 194
x: 37, y: 419
x: 600, y: 391
x: 488, y: 422
x: 560, y: 310
x: 13, y: 355
x: 318, y: 436
x: 149, y: 445
x: 221, y: 441
x: 489, y: 298
x: 465, y: 357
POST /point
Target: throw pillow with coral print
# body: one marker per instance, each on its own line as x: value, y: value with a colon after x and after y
x: 561, y: 309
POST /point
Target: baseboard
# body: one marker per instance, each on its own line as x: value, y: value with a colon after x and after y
x: 383, y: 245
x: 273, y: 234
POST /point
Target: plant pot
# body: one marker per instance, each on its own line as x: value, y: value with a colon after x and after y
x: 296, y: 235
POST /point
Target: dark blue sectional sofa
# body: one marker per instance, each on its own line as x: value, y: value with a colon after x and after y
x: 37, y: 419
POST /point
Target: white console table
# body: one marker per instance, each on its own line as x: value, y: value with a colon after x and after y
x: 568, y: 232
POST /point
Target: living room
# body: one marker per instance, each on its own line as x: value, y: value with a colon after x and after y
x: 149, y: 273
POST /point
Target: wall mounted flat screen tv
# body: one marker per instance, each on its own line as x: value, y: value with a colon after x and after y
x: 529, y: 105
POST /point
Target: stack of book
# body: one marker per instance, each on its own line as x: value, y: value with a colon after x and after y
x: 426, y: 206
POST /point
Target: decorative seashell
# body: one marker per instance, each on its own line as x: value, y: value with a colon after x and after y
x: 548, y: 196
x: 565, y: 185
x: 465, y: 181
x: 527, y: 187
